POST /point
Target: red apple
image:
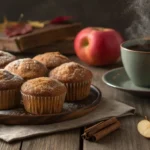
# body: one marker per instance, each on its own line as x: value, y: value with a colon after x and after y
x: 98, y: 46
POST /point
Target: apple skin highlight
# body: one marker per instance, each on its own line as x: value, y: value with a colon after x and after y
x: 98, y: 46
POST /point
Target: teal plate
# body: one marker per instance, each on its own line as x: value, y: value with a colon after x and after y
x: 118, y: 78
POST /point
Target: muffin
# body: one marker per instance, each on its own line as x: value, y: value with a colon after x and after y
x: 76, y: 78
x: 43, y: 95
x: 51, y: 59
x: 27, y: 68
x: 5, y: 58
x: 9, y: 89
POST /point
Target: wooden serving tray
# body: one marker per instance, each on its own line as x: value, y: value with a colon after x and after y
x: 71, y: 110
x: 39, y: 37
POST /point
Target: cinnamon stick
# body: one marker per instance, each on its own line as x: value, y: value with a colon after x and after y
x: 92, y: 127
x: 101, y: 129
x: 99, y: 135
x: 92, y: 130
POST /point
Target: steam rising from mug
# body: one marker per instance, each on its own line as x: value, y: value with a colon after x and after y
x: 140, y: 27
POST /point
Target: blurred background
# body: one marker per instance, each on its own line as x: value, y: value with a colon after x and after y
x: 104, y: 13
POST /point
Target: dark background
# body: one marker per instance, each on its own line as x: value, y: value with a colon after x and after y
x: 105, y: 13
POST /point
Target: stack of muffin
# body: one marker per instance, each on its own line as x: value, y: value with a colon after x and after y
x: 45, y: 82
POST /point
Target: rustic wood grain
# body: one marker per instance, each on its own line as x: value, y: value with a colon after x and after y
x: 68, y: 140
x: 12, y: 146
x: 64, y: 47
x: 126, y: 138
x: 39, y: 37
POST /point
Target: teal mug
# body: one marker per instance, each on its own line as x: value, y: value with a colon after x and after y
x: 135, y: 55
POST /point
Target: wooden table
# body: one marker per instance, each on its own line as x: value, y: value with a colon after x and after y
x: 126, y: 138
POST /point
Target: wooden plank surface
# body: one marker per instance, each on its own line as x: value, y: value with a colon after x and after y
x: 68, y: 140
x: 126, y: 138
x: 12, y: 146
x: 39, y: 37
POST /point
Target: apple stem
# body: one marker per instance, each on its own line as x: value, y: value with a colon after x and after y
x: 85, y: 42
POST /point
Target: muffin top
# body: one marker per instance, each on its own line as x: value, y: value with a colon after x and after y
x: 6, y: 58
x: 43, y: 86
x: 51, y: 59
x: 27, y: 68
x: 9, y: 80
x: 71, y: 72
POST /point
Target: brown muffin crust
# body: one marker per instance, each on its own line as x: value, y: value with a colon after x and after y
x: 27, y: 68
x: 71, y: 72
x: 6, y: 58
x: 43, y: 86
x: 51, y: 59
x: 9, y: 81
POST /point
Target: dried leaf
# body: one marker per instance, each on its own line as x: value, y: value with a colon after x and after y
x: 61, y: 19
x: 6, y: 23
x: 36, y: 24
x: 18, y: 29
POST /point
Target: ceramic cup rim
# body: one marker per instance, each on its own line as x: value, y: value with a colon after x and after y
x: 123, y: 45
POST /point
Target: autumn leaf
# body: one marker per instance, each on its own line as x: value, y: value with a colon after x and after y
x: 13, y: 28
x: 18, y: 29
x: 36, y: 24
x: 61, y: 19
x: 6, y: 23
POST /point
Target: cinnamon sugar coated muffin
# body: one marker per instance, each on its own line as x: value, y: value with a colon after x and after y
x: 9, y: 89
x: 5, y: 58
x: 51, y: 59
x: 76, y: 78
x: 43, y: 95
x: 27, y: 68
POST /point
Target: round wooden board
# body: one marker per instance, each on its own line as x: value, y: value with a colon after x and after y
x: 70, y: 111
